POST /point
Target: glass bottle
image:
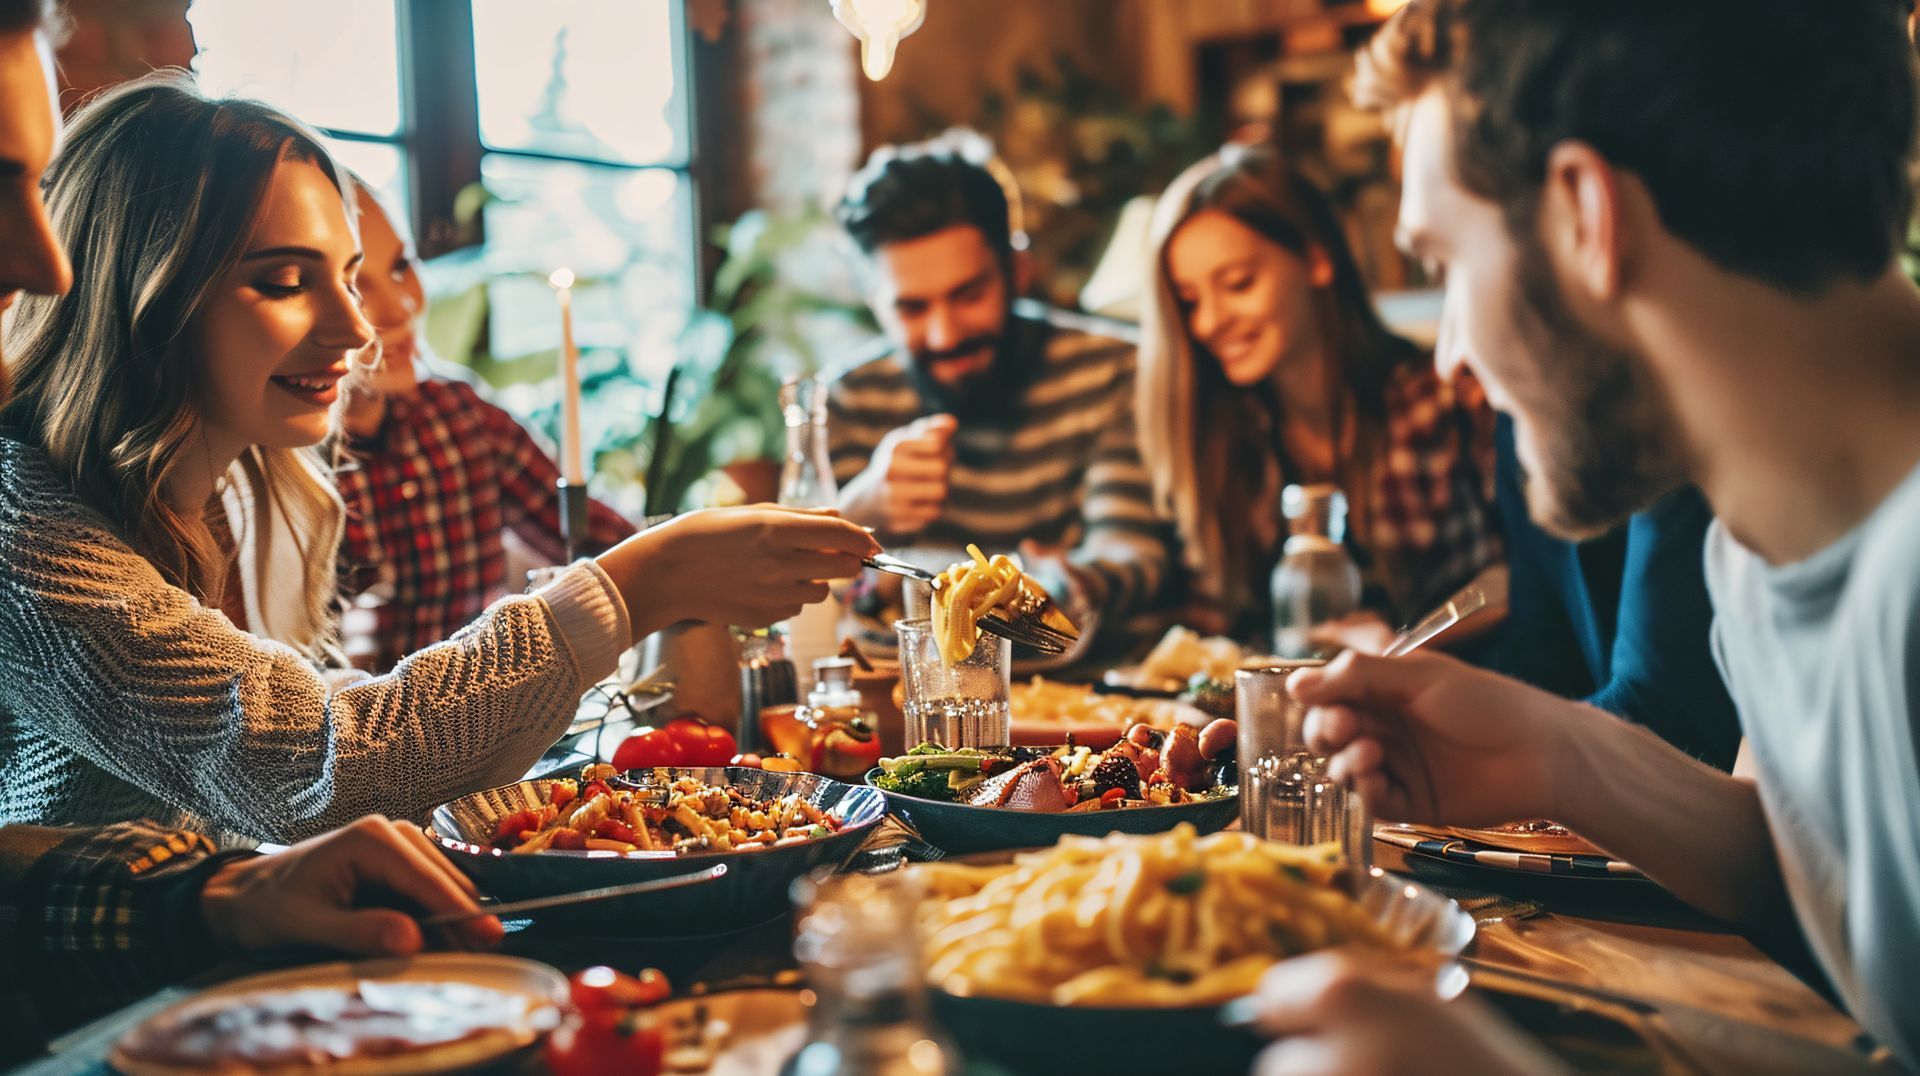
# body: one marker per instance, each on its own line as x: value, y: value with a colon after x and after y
x: 806, y: 481
x: 860, y: 949
x: 1316, y: 581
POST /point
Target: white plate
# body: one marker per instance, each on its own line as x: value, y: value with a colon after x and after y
x: 539, y: 983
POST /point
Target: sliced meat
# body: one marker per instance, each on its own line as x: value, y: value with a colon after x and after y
x: 1030, y: 786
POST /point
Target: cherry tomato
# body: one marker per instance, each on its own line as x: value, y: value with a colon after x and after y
x: 749, y: 760
x: 646, y: 749
x: 701, y: 744
x: 720, y: 746
x: 569, y: 840
x: 599, y: 989
x: 561, y: 793
x: 628, y: 1043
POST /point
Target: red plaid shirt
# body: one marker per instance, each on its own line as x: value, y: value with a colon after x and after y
x: 1430, y: 525
x: 1422, y: 524
x: 428, y: 504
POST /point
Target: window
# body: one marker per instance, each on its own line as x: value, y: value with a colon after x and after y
x: 576, y: 118
x: 584, y: 119
x: 336, y: 66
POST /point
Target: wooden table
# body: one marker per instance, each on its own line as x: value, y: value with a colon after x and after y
x: 1611, y: 976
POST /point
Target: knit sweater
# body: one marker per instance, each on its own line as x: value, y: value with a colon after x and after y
x: 122, y: 697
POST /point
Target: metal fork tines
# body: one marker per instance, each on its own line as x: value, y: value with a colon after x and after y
x: 1028, y: 633
x: 1025, y: 631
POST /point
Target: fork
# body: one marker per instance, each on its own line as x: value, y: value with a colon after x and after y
x: 1025, y: 630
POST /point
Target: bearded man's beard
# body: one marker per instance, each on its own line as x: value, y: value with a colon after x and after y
x: 1605, y: 440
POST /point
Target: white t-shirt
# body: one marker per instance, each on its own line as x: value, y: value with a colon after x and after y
x: 1823, y: 660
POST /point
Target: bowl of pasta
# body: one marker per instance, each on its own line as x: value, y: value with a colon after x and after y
x: 564, y: 833
x: 1121, y: 950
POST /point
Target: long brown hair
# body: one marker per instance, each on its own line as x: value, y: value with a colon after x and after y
x: 154, y: 193
x: 1209, y: 444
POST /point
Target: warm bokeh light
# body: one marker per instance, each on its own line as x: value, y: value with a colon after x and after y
x: 1384, y: 8
x: 879, y: 24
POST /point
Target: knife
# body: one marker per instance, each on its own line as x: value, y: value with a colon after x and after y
x: 713, y: 873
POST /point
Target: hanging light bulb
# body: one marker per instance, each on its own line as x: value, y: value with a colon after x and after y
x: 879, y: 24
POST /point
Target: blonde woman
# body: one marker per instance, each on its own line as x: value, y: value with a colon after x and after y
x: 168, y: 536
x: 1263, y: 363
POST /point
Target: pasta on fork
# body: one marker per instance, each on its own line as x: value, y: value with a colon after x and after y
x: 981, y: 587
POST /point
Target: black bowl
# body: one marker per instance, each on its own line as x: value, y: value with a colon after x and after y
x: 1045, y: 1040
x: 1029, y: 1037
x: 753, y: 890
x: 960, y: 828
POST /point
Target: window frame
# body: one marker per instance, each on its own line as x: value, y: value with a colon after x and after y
x: 439, y: 79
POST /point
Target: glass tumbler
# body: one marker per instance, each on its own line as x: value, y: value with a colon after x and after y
x: 964, y: 704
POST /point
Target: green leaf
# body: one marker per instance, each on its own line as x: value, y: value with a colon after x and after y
x: 1186, y: 885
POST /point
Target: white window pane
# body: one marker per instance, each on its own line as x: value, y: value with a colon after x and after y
x: 380, y: 165
x: 625, y: 233
x: 581, y: 78
x: 333, y: 65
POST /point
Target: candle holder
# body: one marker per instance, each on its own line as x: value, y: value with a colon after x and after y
x: 573, y: 517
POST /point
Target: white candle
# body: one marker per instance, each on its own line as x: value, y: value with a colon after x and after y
x: 570, y: 465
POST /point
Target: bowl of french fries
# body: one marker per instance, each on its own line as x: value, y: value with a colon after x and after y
x: 1122, y: 949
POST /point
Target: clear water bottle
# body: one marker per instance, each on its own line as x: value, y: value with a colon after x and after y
x: 1316, y: 581
x: 806, y: 481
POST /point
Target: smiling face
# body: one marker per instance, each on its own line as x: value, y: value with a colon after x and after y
x: 1246, y: 299
x: 1590, y: 426
x: 944, y: 299
x: 277, y: 332
x: 392, y: 297
x: 30, y: 256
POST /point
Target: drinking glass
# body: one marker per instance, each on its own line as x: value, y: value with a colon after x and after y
x: 859, y: 943
x: 964, y: 704
x: 1285, y: 793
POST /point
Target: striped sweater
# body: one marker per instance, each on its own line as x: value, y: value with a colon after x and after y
x: 123, y: 697
x: 1065, y: 472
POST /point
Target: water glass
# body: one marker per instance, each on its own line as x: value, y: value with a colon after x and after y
x: 858, y: 941
x: 964, y: 704
x: 1285, y: 793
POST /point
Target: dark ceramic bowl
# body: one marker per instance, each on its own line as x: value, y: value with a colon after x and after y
x: 1027, y: 1037
x: 753, y: 890
x: 960, y: 829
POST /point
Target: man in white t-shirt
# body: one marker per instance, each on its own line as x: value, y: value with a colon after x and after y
x: 1670, y: 234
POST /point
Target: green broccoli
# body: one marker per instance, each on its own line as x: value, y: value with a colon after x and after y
x: 925, y: 784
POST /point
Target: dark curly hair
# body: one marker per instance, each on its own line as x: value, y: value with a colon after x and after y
x: 905, y: 192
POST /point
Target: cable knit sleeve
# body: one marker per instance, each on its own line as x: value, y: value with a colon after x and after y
x: 109, y: 674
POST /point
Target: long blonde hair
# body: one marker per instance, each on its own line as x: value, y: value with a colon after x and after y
x: 154, y: 194
x: 1202, y: 437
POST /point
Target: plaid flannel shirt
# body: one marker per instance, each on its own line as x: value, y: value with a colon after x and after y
x: 1430, y: 525
x: 428, y: 503
x: 92, y: 919
x: 1424, y: 523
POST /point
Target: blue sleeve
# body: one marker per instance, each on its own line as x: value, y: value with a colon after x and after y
x: 1538, y: 642
x: 1662, y: 672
